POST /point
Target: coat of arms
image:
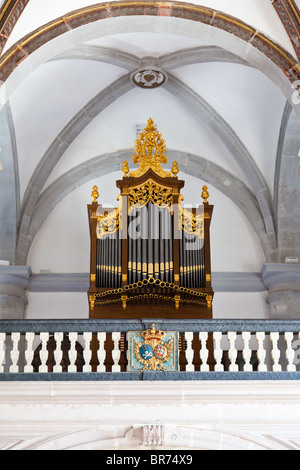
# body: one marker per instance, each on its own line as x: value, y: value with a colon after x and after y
x: 153, y: 349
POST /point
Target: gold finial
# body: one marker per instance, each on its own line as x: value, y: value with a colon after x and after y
x: 150, y: 152
x: 95, y: 194
x: 124, y: 301
x: 205, y: 195
x: 92, y: 301
x: 209, y: 300
x: 125, y: 168
x: 175, y: 169
x: 177, y: 301
x: 153, y: 328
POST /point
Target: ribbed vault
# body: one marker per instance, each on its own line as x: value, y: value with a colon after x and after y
x: 224, y: 39
x: 182, y: 92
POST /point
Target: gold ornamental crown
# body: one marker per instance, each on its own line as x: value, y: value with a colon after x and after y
x: 150, y: 152
x: 148, y: 335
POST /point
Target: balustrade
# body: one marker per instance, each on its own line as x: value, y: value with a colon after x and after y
x: 29, y: 349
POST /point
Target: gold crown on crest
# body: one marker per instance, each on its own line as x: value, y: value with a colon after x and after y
x: 153, y: 334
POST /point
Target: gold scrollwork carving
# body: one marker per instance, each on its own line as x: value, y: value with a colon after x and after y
x: 150, y: 152
x: 108, y: 224
x: 192, y: 223
x: 161, y: 196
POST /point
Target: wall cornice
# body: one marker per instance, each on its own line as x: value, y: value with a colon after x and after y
x: 79, y: 282
x: 156, y: 415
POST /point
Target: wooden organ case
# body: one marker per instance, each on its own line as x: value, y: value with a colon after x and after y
x: 150, y: 256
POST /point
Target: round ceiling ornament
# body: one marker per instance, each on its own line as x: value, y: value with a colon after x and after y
x: 148, y: 78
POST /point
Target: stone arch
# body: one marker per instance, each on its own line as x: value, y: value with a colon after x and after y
x: 217, y: 27
x: 288, y: 174
x: 128, y: 437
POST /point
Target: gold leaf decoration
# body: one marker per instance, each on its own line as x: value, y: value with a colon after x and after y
x: 150, y: 152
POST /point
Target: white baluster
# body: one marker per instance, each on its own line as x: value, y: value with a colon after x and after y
x: 275, y: 351
x: 261, y: 352
x: 218, y: 353
x: 14, y: 368
x: 232, y: 353
x: 58, y: 354
x: 87, y: 353
x: 246, y: 335
x: 43, y: 352
x: 189, y: 353
x: 290, y: 353
x: 29, y: 353
x: 203, y: 336
x: 101, y: 352
x: 2, y: 351
x: 116, y: 353
x: 72, y: 352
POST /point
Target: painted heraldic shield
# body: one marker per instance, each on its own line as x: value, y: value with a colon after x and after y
x: 152, y: 350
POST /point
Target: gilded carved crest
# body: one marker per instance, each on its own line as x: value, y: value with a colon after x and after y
x: 150, y: 152
x: 159, y: 195
x: 153, y: 352
x: 108, y: 224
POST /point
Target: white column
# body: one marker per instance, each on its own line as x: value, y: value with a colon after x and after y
x: 72, y: 352
x: 232, y: 353
x: 189, y: 353
x: 29, y: 353
x: 218, y: 353
x: 58, y: 354
x: 87, y: 353
x: 290, y: 353
x: 261, y: 352
x: 246, y: 335
x: 43, y: 352
x: 203, y: 336
x: 14, y: 368
x: 275, y: 351
x: 101, y: 352
x: 116, y: 353
x: 2, y: 351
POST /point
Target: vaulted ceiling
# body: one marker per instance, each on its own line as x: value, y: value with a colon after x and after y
x: 219, y: 79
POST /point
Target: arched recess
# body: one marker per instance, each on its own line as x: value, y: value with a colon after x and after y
x: 215, y: 27
x: 9, y: 187
x: 288, y: 177
x: 57, y: 149
x: 234, y: 144
x: 175, y: 86
x: 193, y: 165
x: 127, y: 437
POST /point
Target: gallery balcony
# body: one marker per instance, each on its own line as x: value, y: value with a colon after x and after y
x: 99, y: 350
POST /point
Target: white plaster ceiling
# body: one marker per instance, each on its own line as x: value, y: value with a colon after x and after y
x: 54, y: 92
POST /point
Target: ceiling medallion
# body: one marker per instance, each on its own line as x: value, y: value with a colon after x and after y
x: 148, y: 78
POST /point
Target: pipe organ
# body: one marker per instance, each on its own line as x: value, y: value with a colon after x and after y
x: 150, y: 256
